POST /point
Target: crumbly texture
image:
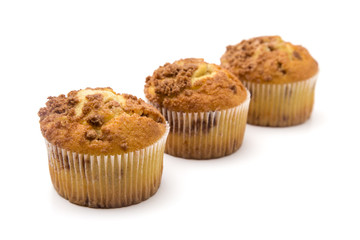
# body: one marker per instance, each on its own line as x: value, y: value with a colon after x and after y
x: 269, y: 60
x: 192, y: 85
x: 100, y: 121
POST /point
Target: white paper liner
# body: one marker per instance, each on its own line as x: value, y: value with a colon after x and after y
x: 206, y: 135
x: 107, y: 181
x: 281, y: 105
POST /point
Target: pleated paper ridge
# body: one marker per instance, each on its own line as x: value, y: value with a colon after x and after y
x: 107, y: 181
x: 281, y: 105
x: 206, y: 135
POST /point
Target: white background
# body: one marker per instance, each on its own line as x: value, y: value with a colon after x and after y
x: 298, y: 182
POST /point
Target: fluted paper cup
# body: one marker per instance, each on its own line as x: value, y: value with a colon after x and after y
x: 206, y: 135
x: 107, y: 181
x: 281, y: 105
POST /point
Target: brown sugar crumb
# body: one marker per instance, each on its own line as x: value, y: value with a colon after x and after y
x: 139, y: 107
x: 86, y: 109
x: 112, y: 104
x: 188, y: 93
x: 96, y: 120
x: 94, y: 97
x: 128, y: 96
x: 72, y: 101
x: 255, y: 60
x: 91, y: 134
x: 124, y: 146
x: 57, y: 104
x: 171, y: 79
x: 233, y: 88
x: 297, y: 55
x: 192, y: 85
x: 170, y: 87
x: 42, y: 112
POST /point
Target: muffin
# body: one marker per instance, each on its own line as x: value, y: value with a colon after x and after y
x: 105, y: 150
x: 280, y: 76
x: 205, y: 105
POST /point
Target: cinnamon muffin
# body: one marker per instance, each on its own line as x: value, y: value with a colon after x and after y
x: 205, y: 105
x: 105, y: 149
x: 280, y: 76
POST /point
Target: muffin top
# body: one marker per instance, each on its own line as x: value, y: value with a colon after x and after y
x: 192, y: 85
x: 100, y: 121
x: 269, y: 60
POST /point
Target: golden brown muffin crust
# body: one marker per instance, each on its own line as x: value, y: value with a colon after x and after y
x: 269, y: 59
x: 192, y: 85
x: 100, y: 121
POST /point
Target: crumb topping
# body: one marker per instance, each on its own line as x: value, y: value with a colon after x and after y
x: 100, y: 121
x: 192, y: 85
x: 269, y: 60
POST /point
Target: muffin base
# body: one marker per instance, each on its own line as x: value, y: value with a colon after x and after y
x: 107, y: 181
x: 206, y: 135
x: 281, y: 105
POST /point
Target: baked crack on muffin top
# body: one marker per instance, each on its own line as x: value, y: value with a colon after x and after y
x: 100, y: 121
x: 269, y: 59
x: 192, y: 85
